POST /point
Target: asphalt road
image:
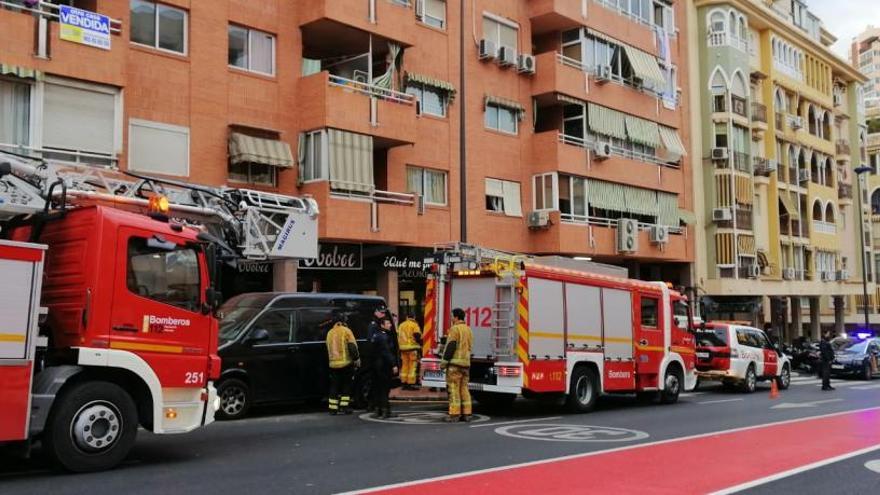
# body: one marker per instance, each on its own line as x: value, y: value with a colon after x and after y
x: 302, y: 450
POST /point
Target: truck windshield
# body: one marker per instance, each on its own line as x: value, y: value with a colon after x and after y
x: 710, y: 337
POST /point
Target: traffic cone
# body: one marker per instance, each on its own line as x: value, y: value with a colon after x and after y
x: 774, y: 389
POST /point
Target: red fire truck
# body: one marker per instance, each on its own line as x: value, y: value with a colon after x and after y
x: 108, y: 297
x: 545, y: 326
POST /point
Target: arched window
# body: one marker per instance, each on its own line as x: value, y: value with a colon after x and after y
x: 738, y: 85
x: 716, y: 22
x: 743, y: 30
x: 875, y: 202
x: 732, y: 23
x: 811, y: 118
x: 818, y: 213
x: 829, y: 212
x: 779, y: 101
x: 814, y: 168
x: 829, y: 172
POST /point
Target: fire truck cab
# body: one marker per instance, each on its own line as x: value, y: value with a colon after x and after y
x: 542, y: 329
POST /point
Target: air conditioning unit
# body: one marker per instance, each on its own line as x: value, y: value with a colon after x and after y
x: 361, y: 76
x: 627, y: 235
x: 788, y: 274
x: 602, y: 151
x: 843, y: 275
x: 754, y: 271
x: 603, y: 73
x: 722, y: 215
x: 797, y: 122
x: 488, y: 50
x: 506, y: 56
x: 659, y: 234
x: 826, y: 276
x: 719, y: 154
x: 526, y: 64
x: 803, y: 175
x: 420, y: 204
x: 539, y: 219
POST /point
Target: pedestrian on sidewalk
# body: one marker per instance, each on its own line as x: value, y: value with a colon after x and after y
x: 379, y: 314
x: 342, y: 351
x: 457, y: 363
x: 826, y: 355
x: 409, y: 339
x: 385, y: 367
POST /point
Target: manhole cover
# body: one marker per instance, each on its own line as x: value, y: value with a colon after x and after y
x: 418, y: 418
x: 570, y: 433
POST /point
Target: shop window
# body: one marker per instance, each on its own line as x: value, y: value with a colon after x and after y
x: 503, y: 197
x: 251, y: 50
x: 650, y: 306
x: 430, y: 184
x: 165, y: 272
x: 501, y: 118
x: 158, y: 26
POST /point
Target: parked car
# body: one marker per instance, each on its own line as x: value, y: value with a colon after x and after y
x: 738, y: 355
x: 855, y: 357
x: 273, y: 347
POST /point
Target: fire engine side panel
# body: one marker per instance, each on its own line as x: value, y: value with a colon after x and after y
x: 583, y: 314
x: 617, y: 318
x: 476, y: 296
x: 546, y: 319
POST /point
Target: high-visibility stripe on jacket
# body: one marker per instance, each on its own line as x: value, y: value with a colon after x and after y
x: 338, y: 339
x: 406, y: 336
x: 463, y: 337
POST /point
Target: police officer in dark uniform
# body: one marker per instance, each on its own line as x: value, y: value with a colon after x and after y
x: 826, y: 354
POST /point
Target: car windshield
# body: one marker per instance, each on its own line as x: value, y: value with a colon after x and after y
x: 712, y: 337
x: 236, y: 314
x: 851, y: 345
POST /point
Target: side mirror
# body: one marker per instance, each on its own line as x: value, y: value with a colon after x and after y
x: 257, y: 336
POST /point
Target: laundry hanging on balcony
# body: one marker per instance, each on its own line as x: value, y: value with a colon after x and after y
x: 394, y: 59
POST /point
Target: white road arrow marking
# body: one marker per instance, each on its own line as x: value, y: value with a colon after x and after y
x: 797, y: 405
x: 873, y: 465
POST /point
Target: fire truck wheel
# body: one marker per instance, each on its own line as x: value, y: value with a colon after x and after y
x: 672, y: 384
x: 750, y: 382
x: 494, y: 401
x: 784, y: 378
x: 235, y: 399
x: 92, y: 427
x: 583, y: 390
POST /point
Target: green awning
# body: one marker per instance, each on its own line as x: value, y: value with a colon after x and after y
x: 504, y: 102
x: 642, y: 131
x: 687, y: 217
x: 788, y: 205
x: 607, y: 195
x: 668, y: 213
x: 607, y: 122
x: 249, y: 149
x: 19, y: 71
x: 645, y: 66
x: 640, y: 201
x: 430, y: 81
x: 671, y: 140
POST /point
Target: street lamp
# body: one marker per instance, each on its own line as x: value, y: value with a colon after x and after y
x: 860, y: 171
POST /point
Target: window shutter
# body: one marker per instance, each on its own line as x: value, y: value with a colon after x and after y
x: 512, y: 202
x: 158, y: 148
x: 79, y: 119
x: 351, y: 161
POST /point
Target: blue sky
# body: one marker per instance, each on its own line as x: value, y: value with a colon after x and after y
x: 846, y: 18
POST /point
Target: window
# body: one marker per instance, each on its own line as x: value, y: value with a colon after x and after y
x: 650, y: 305
x: 251, y: 50
x: 720, y: 134
x: 433, y: 13
x: 253, y: 173
x: 574, y: 118
x: 501, y: 118
x: 158, y: 148
x: 431, y: 184
x: 313, y: 156
x: 573, y: 197
x: 80, y: 122
x: 501, y: 32
x: 159, y: 26
x: 544, y: 192
x: 432, y: 101
x: 164, y: 271
x: 504, y: 197
x: 279, y: 325
x: 312, y: 324
x: 15, y: 120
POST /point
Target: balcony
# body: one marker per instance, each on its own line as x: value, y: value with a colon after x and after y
x: 820, y: 227
x: 741, y: 161
x: 759, y: 113
x: 761, y: 166
x: 842, y: 147
x: 738, y: 106
x: 324, y: 100
x: 845, y: 191
x: 554, y: 15
x: 391, y: 20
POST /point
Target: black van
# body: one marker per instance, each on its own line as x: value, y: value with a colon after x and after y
x: 273, y: 347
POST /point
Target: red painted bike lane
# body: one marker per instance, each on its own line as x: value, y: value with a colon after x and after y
x: 701, y: 464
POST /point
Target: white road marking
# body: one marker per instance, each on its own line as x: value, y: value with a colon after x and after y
x: 799, y: 405
x: 516, y: 422
x: 691, y: 394
x: 797, y: 470
x: 719, y: 401
x: 867, y: 387
x: 605, y: 451
x: 873, y: 465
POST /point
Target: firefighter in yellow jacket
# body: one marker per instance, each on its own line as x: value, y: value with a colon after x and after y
x: 457, y: 362
x: 342, y: 352
x: 409, y: 340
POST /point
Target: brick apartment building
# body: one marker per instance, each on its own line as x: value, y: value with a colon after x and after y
x: 576, y: 115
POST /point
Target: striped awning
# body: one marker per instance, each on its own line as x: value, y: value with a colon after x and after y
x: 645, y: 66
x: 430, y: 81
x: 641, y: 201
x: 790, y: 208
x: 642, y: 131
x: 249, y: 149
x: 746, y: 244
x: 19, y: 71
x: 607, y: 122
x: 504, y: 102
x: 763, y: 262
x: 724, y: 249
x: 687, y: 217
x: 671, y: 140
x: 570, y: 100
x: 607, y: 195
x: 351, y: 161
x: 668, y: 212
x: 744, y: 193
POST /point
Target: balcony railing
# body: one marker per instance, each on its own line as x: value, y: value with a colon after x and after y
x: 741, y: 161
x: 739, y: 106
x: 824, y: 227
x: 842, y: 147
x: 845, y: 191
x: 761, y: 166
x: 743, y: 219
x: 372, y: 90
x: 759, y: 112
x: 612, y: 222
x: 590, y: 143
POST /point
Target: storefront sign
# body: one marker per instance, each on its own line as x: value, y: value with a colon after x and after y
x: 336, y: 257
x: 84, y: 27
x: 254, y: 267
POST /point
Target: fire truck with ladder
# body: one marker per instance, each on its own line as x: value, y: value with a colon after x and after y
x: 107, y: 302
x: 558, y: 327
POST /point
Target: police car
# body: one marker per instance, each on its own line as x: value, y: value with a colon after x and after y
x: 739, y: 355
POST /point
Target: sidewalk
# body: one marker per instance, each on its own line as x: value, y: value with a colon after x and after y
x: 422, y: 394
